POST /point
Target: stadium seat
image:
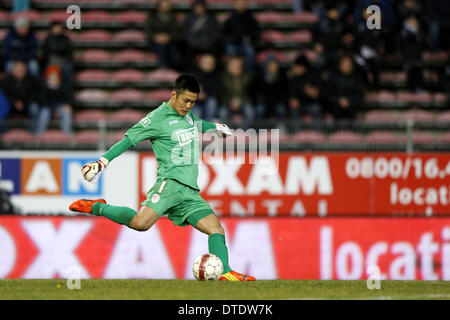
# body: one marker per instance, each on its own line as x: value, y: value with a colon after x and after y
x: 92, y: 75
x: 380, y: 97
x: 127, y: 95
x: 92, y: 95
x: 300, y: 36
x: 440, y: 98
x: 162, y: 75
x: 97, y: 35
x: 54, y: 136
x: 409, y: 97
x: 130, y: 36
x: 417, y: 116
x: 96, y: 16
x: 133, y: 55
x: 345, y: 137
x: 263, y: 55
x: 380, y: 137
x: 422, y: 137
x: 57, y: 16
x: 159, y: 95
x: 445, y: 138
x: 95, y: 55
x: 131, y: 16
x: 116, y: 136
x: 380, y: 116
x: 443, y: 117
x: 303, y: 17
x: 91, y: 115
x: 126, y: 115
x: 270, y: 16
x: 31, y: 15
x: 273, y: 36
x: 4, y: 16
x: 17, y: 136
x: 308, y: 136
x: 87, y: 136
x: 435, y: 57
x: 128, y: 75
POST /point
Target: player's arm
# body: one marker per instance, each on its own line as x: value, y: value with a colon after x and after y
x: 221, y: 128
x: 141, y: 131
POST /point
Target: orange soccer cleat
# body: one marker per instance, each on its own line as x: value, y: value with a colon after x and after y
x: 84, y: 205
x: 236, y: 276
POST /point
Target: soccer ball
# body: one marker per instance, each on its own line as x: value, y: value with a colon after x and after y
x: 207, y: 267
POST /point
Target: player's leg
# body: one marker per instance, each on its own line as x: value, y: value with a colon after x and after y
x: 211, y: 226
x: 144, y: 219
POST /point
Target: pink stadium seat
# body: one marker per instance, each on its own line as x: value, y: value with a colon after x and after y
x: 422, y: 137
x: 130, y: 36
x: 91, y: 115
x: 409, y: 97
x: 435, y: 57
x: 303, y: 17
x: 97, y: 35
x: 92, y: 75
x: 31, y: 15
x: 57, y: 16
x: 272, y: 36
x: 133, y: 55
x: 95, y: 55
x: 127, y: 95
x: 393, y: 77
x: 443, y: 117
x: 301, y: 36
x: 159, y: 95
x: 439, y: 97
x: 380, y: 116
x: 126, y: 115
x: 4, y: 16
x: 116, y: 136
x: 445, y: 138
x: 381, y: 137
x: 54, y: 136
x: 263, y: 55
x: 17, y: 135
x: 96, y: 16
x: 417, y: 115
x: 131, y: 16
x: 308, y: 136
x: 92, y: 95
x: 382, y: 96
x: 87, y: 136
x: 128, y: 75
x: 3, y: 33
x: 345, y: 137
x: 270, y: 16
x: 162, y: 75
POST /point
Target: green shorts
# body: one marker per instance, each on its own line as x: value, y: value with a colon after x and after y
x: 181, y: 203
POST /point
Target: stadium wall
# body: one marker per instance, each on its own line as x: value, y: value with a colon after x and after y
x: 289, y: 184
x: 268, y: 248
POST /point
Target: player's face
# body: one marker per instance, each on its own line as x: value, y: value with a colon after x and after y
x: 184, y: 101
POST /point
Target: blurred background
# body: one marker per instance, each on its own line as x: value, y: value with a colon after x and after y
x: 363, y: 171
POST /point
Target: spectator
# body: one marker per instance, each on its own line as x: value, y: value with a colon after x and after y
x: 55, y: 100
x: 22, y: 91
x: 5, y: 106
x: 20, y: 5
x: 347, y: 91
x: 57, y: 50
x: 201, y: 31
x: 206, y: 73
x: 438, y: 12
x: 304, y: 90
x: 412, y: 42
x: 369, y: 44
x: 271, y: 91
x: 234, y: 95
x: 163, y: 34
x: 21, y: 44
x: 241, y: 33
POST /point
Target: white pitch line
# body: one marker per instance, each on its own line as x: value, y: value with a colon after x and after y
x: 421, y: 296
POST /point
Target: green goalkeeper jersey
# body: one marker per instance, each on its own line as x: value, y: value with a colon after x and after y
x: 175, y: 142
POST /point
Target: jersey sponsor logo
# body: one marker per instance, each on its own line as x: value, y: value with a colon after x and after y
x: 155, y: 198
x: 187, y: 136
x: 145, y: 122
x: 173, y: 122
x: 189, y: 119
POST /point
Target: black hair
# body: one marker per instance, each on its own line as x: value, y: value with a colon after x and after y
x: 186, y: 82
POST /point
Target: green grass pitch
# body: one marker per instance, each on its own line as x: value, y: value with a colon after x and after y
x: 218, y: 290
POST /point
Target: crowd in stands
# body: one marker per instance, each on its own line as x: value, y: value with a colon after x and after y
x: 223, y: 58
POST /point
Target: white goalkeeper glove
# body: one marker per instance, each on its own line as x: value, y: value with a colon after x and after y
x: 91, y: 171
x: 223, y: 130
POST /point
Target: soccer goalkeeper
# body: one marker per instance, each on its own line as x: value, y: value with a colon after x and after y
x: 172, y: 129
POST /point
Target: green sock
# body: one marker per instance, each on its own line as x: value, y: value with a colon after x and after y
x: 122, y: 215
x: 217, y: 246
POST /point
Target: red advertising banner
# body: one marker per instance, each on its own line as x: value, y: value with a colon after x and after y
x: 331, y: 184
x: 268, y: 248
